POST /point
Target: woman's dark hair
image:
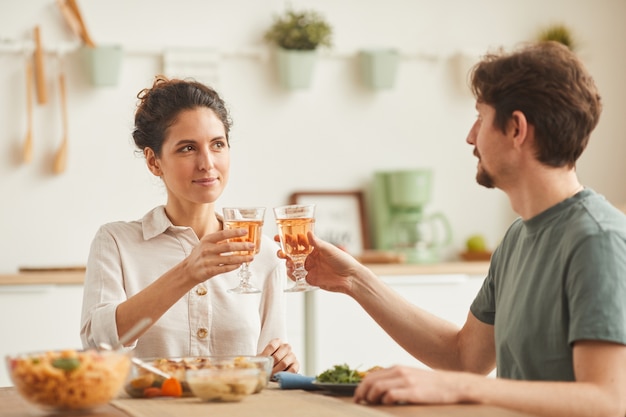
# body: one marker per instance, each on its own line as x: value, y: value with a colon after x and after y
x: 159, y: 106
x: 548, y: 83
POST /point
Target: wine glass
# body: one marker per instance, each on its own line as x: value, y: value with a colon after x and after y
x: 294, y: 223
x: 251, y: 219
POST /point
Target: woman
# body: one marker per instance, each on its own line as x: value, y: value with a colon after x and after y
x: 175, y: 265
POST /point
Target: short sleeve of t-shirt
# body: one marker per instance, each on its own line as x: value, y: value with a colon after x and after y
x: 596, y: 290
x: 484, y: 305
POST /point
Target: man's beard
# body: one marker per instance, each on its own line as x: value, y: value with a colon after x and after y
x: 483, y: 178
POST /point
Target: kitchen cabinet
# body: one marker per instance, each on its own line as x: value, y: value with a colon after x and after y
x: 38, y: 317
x: 44, y: 317
x: 41, y: 311
x: 340, y: 331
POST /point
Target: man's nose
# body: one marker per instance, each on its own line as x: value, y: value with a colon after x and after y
x: 471, y: 135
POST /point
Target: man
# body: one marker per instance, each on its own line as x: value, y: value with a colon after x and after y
x: 551, y: 315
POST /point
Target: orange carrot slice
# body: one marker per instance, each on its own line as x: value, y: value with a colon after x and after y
x: 152, y: 392
x: 172, y: 388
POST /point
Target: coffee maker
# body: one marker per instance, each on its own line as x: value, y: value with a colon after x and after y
x: 400, y: 223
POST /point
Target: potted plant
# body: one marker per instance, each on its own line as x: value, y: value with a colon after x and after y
x: 379, y: 67
x: 558, y: 33
x: 103, y: 63
x: 297, y: 35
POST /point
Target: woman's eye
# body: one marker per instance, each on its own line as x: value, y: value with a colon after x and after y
x: 186, y: 148
x: 219, y: 144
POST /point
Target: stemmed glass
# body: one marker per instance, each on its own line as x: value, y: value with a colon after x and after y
x: 294, y: 223
x: 251, y: 219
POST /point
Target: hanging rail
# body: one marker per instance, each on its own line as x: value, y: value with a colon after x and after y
x: 10, y: 46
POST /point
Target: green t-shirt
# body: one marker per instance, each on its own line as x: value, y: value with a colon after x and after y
x: 555, y: 279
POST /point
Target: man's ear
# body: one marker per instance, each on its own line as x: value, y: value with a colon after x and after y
x: 152, y: 161
x: 518, y: 128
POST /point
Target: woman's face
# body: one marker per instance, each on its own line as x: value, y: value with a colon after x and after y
x: 195, y: 158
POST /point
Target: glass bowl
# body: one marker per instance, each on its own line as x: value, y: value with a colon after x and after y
x: 226, y: 384
x: 69, y: 380
x: 142, y: 383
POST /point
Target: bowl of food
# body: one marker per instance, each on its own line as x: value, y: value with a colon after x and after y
x: 69, y: 380
x: 227, y: 384
x: 266, y: 364
x: 143, y: 383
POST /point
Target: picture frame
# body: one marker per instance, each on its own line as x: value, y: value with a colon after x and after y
x: 339, y: 217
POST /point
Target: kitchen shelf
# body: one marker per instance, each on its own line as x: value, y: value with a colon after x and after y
x: 73, y: 277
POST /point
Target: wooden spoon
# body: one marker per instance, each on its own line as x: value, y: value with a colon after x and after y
x: 42, y: 91
x: 60, y: 160
x: 73, y: 5
x: 70, y: 18
x: 28, y: 141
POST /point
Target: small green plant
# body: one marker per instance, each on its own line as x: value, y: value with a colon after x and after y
x: 303, y: 31
x: 558, y: 33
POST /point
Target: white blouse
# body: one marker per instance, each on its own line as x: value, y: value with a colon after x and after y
x: 126, y: 257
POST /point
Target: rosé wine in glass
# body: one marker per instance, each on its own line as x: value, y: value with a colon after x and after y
x: 294, y: 224
x: 251, y: 219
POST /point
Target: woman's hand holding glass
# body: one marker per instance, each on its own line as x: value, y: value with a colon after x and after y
x: 251, y: 220
x: 215, y: 255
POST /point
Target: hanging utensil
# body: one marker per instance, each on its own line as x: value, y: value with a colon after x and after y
x: 42, y: 92
x: 83, y: 27
x: 60, y: 159
x: 70, y: 18
x: 28, y: 140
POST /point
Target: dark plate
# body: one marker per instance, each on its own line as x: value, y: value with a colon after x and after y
x: 337, y: 389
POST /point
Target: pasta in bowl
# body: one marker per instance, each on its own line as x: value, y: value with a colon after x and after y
x: 69, y: 380
x: 144, y: 384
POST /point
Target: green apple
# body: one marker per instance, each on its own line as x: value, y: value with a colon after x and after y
x: 476, y: 243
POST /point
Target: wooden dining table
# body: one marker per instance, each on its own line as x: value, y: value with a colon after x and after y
x: 271, y: 402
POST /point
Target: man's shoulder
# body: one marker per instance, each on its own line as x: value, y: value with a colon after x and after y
x: 595, y: 214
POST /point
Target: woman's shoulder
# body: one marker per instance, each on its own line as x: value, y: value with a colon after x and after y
x: 119, y: 231
x: 120, y: 225
x: 123, y: 227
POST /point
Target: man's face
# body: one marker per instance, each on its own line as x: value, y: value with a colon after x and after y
x: 489, y: 146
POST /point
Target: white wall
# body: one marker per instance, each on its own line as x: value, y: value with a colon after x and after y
x: 331, y: 137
